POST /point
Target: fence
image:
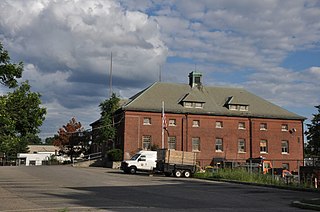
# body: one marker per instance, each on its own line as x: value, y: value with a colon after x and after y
x: 303, y: 172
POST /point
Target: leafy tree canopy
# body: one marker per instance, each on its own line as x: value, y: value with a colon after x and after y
x: 107, y: 130
x: 313, y: 136
x: 9, y: 71
x: 50, y: 140
x: 20, y: 112
x: 72, y: 139
x: 24, y: 109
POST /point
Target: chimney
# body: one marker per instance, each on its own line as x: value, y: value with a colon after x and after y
x: 195, y: 79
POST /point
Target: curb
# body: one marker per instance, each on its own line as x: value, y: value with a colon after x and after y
x: 303, y: 205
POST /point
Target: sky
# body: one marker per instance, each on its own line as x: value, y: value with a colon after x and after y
x: 270, y: 48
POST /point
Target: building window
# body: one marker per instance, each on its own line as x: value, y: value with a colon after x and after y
x: 196, y: 144
x: 219, y: 145
x: 238, y: 107
x: 284, y: 147
x: 172, y: 142
x: 243, y: 107
x: 188, y: 104
x: 219, y: 124
x: 284, y: 127
x: 195, y: 123
x: 172, y: 122
x: 241, y: 145
x: 233, y: 107
x: 263, y: 126
x: 242, y: 126
x: 263, y: 146
x: 146, y: 142
x: 198, y: 105
x: 146, y: 121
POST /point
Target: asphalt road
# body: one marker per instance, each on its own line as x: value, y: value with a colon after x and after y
x: 66, y: 188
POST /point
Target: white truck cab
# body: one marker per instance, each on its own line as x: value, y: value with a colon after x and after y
x: 141, y: 161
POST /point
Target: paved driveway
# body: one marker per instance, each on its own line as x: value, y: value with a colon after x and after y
x: 66, y: 188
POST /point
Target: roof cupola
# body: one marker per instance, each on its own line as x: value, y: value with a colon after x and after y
x: 195, y: 79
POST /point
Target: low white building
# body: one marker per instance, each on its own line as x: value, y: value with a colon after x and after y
x: 38, y: 155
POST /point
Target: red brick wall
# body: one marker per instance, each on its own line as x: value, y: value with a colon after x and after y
x: 134, y: 129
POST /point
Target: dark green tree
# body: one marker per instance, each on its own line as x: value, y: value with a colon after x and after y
x: 20, y: 111
x: 31, y: 139
x: 313, y: 136
x: 9, y: 71
x: 24, y: 108
x: 107, y: 130
x: 50, y: 140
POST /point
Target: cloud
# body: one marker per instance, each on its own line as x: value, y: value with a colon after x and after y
x: 66, y: 48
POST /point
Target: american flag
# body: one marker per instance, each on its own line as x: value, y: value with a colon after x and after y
x: 164, y: 121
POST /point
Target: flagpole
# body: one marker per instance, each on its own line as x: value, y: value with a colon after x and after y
x: 162, y: 126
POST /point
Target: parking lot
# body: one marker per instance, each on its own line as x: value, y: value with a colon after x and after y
x: 67, y: 188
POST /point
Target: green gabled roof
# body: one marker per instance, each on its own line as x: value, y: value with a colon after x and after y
x: 214, y: 98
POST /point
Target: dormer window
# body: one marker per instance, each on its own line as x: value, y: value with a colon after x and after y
x: 198, y: 105
x: 193, y: 104
x: 236, y: 104
x: 238, y: 107
x: 188, y: 104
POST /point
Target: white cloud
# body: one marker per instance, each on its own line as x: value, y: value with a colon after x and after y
x: 66, y: 47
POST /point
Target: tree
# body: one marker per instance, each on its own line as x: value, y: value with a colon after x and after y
x: 20, y: 111
x: 9, y: 71
x: 24, y: 109
x: 50, y: 140
x: 72, y: 139
x: 313, y: 136
x: 107, y: 130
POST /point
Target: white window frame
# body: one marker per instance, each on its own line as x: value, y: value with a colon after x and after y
x: 172, y: 122
x: 241, y: 125
x: 263, y: 148
x: 146, y: 142
x: 198, y: 105
x: 284, y: 127
x: 188, y: 104
x: 196, y: 123
x: 172, y: 142
x: 219, y: 124
x: 241, y: 145
x: 219, y: 145
x: 195, y: 144
x: 284, y: 147
x: 146, y: 121
x: 263, y: 126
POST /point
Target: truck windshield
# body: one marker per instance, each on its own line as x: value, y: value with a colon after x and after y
x: 135, y: 157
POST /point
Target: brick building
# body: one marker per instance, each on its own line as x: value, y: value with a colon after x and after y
x: 221, y: 124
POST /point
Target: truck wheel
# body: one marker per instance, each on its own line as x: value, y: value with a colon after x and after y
x: 187, y: 173
x: 132, y: 170
x: 177, y: 173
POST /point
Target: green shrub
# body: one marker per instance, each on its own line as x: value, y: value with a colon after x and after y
x: 115, y: 154
x: 238, y: 175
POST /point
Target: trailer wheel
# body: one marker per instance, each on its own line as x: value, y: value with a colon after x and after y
x: 178, y: 173
x: 132, y: 170
x: 187, y: 173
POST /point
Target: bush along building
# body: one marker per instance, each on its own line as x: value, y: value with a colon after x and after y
x: 223, y: 125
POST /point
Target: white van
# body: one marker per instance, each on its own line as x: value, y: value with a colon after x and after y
x: 141, y: 161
